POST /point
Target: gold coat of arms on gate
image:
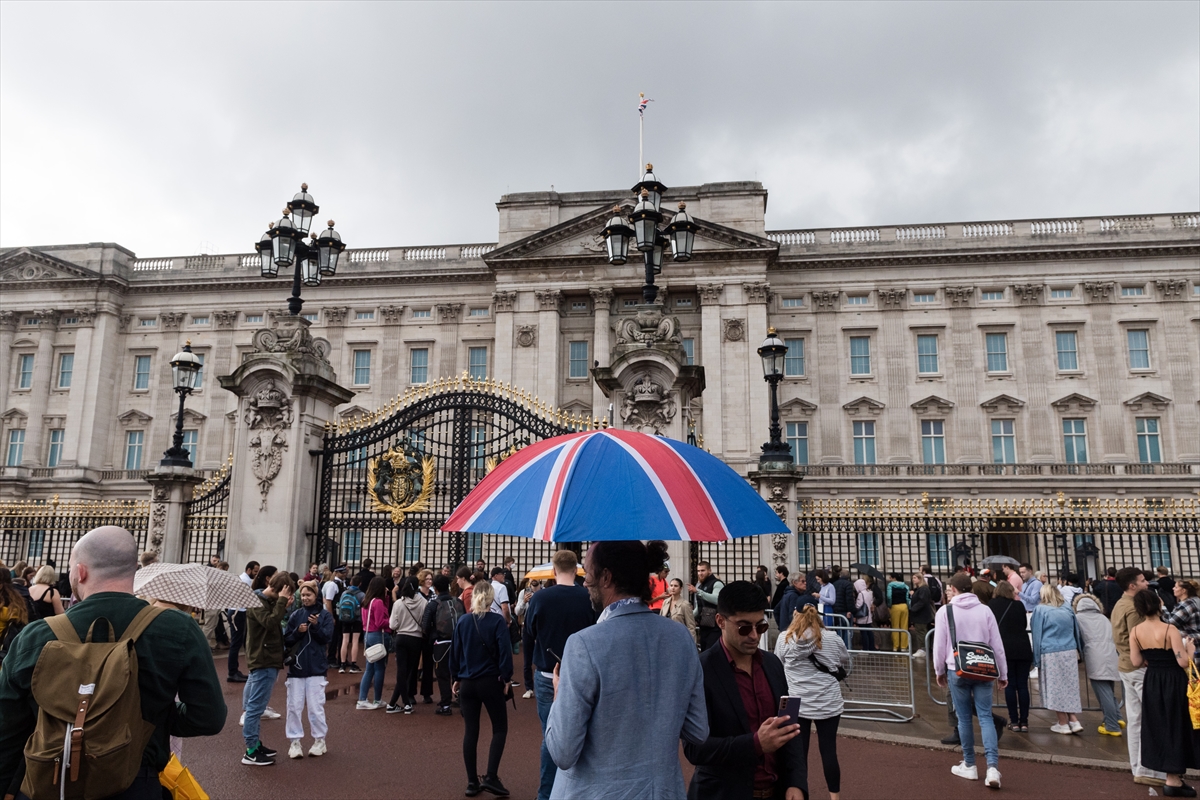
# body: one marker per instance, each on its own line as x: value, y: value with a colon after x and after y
x: 400, y: 481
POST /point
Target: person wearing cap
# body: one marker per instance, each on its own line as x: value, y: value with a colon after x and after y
x: 331, y: 590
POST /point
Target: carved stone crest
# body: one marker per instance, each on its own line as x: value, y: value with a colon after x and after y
x: 734, y: 330
x: 649, y: 326
x: 269, y: 409
x: 291, y: 336
x: 400, y: 481
x: 646, y: 405
x: 266, y: 459
x: 527, y: 335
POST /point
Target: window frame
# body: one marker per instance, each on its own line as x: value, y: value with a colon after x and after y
x: 1007, y: 440
x: 137, y: 373
x: 1071, y: 454
x: 689, y: 351
x: 790, y: 361
x: 572, y: 361
x: 1073, y: 352
x: 70, y: 368
x: 193, y: 447
x: 933, y: 442
x: 422, y: 313
x: 14, y: 449
x: 1149, y: 443
x: 357, y: 368
x: 856, y: 373
x: 1129, y: 349
x: 54, y: 448
x: 924, y: 298
x: 998, y: 295
x: 935, y: 355
x: 25, y: 377
x: 859, y: 432
x: 796, y: 437
x: 988, y: 353
x: 133, y: 449
x: 791, y: 302
x: 473, y: 367
x: 858, y: 299
x: 413, y: 367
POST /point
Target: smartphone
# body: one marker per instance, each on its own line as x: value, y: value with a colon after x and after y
x: 790, y: 707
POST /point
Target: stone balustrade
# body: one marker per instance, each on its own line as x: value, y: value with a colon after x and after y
x: 990, y: 470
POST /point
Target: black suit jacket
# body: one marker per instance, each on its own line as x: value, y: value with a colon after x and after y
x: 726, y: 761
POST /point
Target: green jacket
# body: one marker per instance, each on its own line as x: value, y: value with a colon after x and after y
x: 264, y: 633
x: 173, y: 659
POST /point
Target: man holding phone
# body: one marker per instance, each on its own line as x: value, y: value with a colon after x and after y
x: 750, y: 752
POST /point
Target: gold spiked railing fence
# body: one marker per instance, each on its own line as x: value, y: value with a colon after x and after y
x: 40, y: 531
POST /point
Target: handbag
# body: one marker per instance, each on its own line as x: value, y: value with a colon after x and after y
x: 376, y: 652
x: 974, y: 661
x: 180, y: 782
x: 1193, y: 695
x: 840, y: 673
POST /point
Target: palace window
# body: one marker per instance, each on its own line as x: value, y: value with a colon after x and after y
x: 191, y: 439
x: 856, y: 299
x: 362, y: 367
x: 141, y: 372
x: 198, y: 377
x: 66, y: 365
x: 860, y: 355
x: 793, y: 361
x: 1061, y: 294
x: 25, y: 371
x: 924, y: 297
x: 1139, y: 348
x: 479, y: 448
x: 864, y: 442
x: 477, y: 362
x: 251, y: 318
x: 310, y: 317
x: 1067, y: 349
x: 1075, y: 440
x: 134, y: 441
x: 933, y: 441
x: 997, y: 352
x: 683, y: 302
x: 579, y: 305
x: 1133, y: 291
x: 992, y: 294
x: 364, y: 315
x: 793, y: 302
x: 54, y: 455
x: 199, y: 320
x: 1004, y: 442
x: 148, y: 322
x: 803, y: 548
x: 422, y: 313
x: 352, y: 547
x: 578, y: 360
x: 1149, y: 447
x: 478, y: 312
x: 868, y: 549
x: 16, y: 447
x: 797, y: 441
x: 927, y: 354
x: 412, y: 546
x: 1160, y: 550
x: 938, y: 546
x: 689, y: 352
x: 418, y: 359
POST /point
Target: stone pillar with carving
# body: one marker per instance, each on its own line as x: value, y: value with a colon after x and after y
x: 779, y: 488
x: 171, y: 488
x: 503, y: 304
x: 81, y: 401
x: 710, y: 355
x: 287, y: 391
x: 43, y: 373
x: 549, y: 303
x: 8, y: 326
x: 602, y: 300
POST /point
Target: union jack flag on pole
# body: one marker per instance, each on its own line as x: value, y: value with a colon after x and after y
x: 642, y: 101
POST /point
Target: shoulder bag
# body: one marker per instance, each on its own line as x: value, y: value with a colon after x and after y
x: 973, y: 661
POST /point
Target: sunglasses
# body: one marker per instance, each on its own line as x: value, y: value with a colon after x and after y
x: 744, y: 628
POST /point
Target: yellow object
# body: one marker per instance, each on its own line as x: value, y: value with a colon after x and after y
x: 180, y: 781
x: 1106, y: 732
x: 1194, y: 694
x: 545, y: 572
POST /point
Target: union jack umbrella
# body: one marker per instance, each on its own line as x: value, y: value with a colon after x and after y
x: 611, y: 485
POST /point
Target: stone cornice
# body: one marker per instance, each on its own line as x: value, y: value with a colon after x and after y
x: 1105, y: 250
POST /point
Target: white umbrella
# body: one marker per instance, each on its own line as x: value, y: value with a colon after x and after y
x: 194, y: 585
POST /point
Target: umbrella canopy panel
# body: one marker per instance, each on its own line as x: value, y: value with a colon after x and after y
x: 195, y: 585
x: 615, y: 485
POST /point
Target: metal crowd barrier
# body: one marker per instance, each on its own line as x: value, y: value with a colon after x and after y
x: 1088, y: 700
x: 880, y: 685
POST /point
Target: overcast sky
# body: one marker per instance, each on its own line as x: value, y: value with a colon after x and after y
x: 175, y: 128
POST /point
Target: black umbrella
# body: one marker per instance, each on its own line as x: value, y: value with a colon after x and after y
x: 867, y: 569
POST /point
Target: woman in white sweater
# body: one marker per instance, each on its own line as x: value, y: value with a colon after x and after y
x: 810, y: 660
x: 405, y: 622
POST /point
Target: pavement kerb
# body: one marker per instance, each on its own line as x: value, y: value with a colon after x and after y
x: 1012, y: 755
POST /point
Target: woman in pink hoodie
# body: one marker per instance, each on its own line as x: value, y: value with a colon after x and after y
x: 973, y: 622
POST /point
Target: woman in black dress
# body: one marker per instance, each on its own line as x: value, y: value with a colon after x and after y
x: 1010, y: 617
x: 1167, y: 736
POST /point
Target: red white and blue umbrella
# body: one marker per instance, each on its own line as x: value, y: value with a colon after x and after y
x: 612, y: 485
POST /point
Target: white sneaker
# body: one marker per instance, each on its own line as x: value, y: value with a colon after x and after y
x: 528, y: 694
x: 919, y: 654
x: 362, y: 705
x: 1063, y: 729
x: 1033, y: 673
x: 296, y: 750
x: 1076, y: 726
x: 961, y: 769
x: 271, y: 713
x: 993, y: 778
x: 318, y: 748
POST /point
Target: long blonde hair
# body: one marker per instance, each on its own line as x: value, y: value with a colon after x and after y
x: 482, y: 597
x: 804, y: 621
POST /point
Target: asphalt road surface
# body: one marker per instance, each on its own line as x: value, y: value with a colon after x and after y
x: 377, y: 755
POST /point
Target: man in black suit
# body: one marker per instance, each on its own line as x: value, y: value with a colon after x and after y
x: 750, y: 752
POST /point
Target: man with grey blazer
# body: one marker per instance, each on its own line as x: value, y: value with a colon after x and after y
x: 627, y: 689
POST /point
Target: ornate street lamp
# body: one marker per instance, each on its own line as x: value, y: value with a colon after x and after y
x: 647, y: 235
x: 284, y: 245
x: 775, y: 453
x: 185, y: 369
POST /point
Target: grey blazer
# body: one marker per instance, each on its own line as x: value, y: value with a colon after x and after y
x: 631, y: 687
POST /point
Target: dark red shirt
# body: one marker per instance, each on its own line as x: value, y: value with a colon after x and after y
x: 759, y: 702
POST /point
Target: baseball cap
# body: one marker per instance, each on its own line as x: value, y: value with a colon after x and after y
x: 342, y: 568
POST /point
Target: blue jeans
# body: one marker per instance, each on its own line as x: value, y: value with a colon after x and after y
x: 255, y: 695
x: 977, y: 694
x: 1108, y: 702
x: 374, y: 671
x: 543, y: 689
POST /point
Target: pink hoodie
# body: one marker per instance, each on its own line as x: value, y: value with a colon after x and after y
x: 973, y: 622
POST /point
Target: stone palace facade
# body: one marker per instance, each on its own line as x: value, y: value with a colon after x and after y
x: 946, y: 368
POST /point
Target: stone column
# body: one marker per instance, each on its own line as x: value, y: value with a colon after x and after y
x: 503, y: 303
x: 8, y: 324
x: 778, y: 488
x: 81, y: 399
x: 546, y: 389
x: 710, y: 357
x: 449, y: 343
x: 287, y: 391
x: 172, y: 488
x: 602, y: 300
x: 103, y: 394
x: 757, y: 296
x: 43, y: 373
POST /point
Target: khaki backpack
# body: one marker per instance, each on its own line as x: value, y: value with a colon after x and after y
x: 90, y: 735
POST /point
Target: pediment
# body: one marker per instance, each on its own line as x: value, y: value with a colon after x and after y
x: 1147, y: 401
x: 14, y: 415
x: 1003, y: 403
x: 26, y: 265
x: 864, y: 405
x: 1074, y: 402
x: 932, y: 403
x: 579, y: 240
x: 353, y: 412
x: 190, y: 417
x: 134, y: 417
x: 796, y: 407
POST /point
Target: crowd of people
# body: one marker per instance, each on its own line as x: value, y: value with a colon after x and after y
x: 743, y: 711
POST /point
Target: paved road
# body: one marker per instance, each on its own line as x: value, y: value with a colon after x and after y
x: 376, y: 755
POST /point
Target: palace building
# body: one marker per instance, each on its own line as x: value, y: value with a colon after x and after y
x: 951, y: 390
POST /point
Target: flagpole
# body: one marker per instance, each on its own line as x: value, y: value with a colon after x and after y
x: 641, y: 157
